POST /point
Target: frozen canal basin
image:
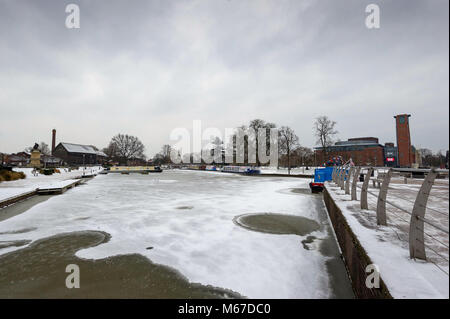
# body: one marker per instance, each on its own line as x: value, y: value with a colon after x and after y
x: 176, y: 234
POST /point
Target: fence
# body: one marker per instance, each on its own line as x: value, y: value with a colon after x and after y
x: 347, y: 179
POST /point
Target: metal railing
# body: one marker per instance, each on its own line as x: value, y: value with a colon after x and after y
x: 347, y: 179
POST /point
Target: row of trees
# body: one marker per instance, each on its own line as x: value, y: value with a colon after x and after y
x: 126, y: 149
x: 430, y: 159
x: 290, y: 151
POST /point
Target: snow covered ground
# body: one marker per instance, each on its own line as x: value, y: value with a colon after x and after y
x: 10, y: 192
x: 388, y: 246
x: 31, y: 182
x: 187, y: 216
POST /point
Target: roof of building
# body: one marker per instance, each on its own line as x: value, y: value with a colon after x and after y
x: 354, y: 142
x: 347, y: 144
x: 83, y: 149
x: 17, y: 158
x: 367, y: 138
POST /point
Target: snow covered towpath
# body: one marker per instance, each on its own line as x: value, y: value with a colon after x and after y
x: 388, y: 247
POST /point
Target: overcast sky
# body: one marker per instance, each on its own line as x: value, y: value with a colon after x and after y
x: 147, y: 67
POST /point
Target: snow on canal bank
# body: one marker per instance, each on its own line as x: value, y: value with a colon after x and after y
x: 10, y: 192
x: 388, y: 247
x: 187, y: 217
x: 31, y: 182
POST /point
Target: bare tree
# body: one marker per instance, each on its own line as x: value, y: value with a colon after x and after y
x: 288, y: 141
x: 324, y: 131
x: 261, y: 124
x: 430, y: 159
x: 128, y: 147
x: 218, y: 151
x: 165, y: 153
x: 44, y: 148
x: 239, y: 134
x: 111, y: 151
x: 305, y: 155
x: 158, y: 159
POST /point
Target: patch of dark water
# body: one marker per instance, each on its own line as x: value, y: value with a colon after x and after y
x: 340, y: 285
x: 14, y: 243
x: 308, y: 240
x: 277, y: 223
x: 185, y: 207
x: 39, y: 271
x: 22, y: 206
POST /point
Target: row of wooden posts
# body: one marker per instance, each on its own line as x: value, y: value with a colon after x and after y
x: 347, y: 178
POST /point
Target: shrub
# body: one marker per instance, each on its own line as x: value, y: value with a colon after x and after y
x: 11, y: 175
x: 47, y: 171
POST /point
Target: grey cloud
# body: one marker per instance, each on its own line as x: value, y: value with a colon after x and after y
x: 146, y: 67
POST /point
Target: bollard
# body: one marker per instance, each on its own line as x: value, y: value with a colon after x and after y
x: 355, y: 181
x: 416, y: 234
x: 364, y: 188
x: 347, y: 182
x: 338, y: 176
x: 381, y: 204
x: 341, y: 182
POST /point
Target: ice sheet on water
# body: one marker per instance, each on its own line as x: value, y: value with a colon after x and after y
x: 202, y: 243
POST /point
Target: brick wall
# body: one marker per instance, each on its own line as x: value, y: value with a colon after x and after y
x: 367, y: 156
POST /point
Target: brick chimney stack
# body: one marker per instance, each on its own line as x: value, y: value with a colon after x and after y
x: 53, y: 140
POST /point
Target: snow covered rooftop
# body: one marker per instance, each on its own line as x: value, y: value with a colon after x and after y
x: 79, y: 148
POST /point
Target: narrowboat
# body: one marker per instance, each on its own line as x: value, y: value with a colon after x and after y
x: 135, y: 169
x: 197, y: 167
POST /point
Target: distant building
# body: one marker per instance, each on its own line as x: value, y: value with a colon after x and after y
x: 78, y: 154
x: 18, y: 159
x: 362, y: 150
x: 390, y: 155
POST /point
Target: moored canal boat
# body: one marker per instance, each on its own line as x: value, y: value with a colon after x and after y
x: 135, y: 169
x: 246, y: 170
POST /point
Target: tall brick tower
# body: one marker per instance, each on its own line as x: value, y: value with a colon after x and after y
x: 403, y: 140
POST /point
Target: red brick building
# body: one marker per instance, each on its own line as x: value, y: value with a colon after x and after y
x: 362, y: 151
x: 406, y: 156
x: 77, y: 154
